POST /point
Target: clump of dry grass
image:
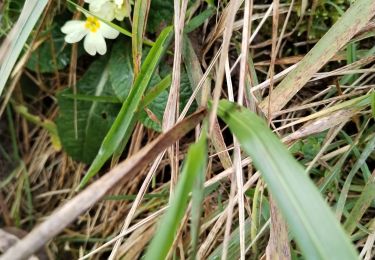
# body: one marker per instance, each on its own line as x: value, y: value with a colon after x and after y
x: 320, y: 110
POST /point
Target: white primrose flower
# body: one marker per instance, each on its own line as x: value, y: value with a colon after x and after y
x: 93, y: 30
x: 110, y: 9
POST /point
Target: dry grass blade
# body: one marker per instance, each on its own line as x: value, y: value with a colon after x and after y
x: 138, y: 31
x: 172, y: 108
x: 12, y: 46
x: 84, y: 200
x: 233, y: 8
x: 348, y: 26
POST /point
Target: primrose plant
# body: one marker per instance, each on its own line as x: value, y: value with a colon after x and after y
x: 92, y: 29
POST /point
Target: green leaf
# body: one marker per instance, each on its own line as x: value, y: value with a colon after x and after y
x: 194, y: 166
x: 12, y: 47
x: 52, y: 54
x: 130, y: 106
x: 121, y: 69
x: 311, y: 221
x: 94, y: 118
x: 162, y: 14
x: 157, y: 106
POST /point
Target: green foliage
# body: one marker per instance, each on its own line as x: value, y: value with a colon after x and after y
x: 161, y: 14
x: 10, y: 11
x: 310, y: 220
x: 326, y: 13
x: 311, y: 146
x: 124, y: 121
x: 121, y: 69
x: 194, y: 168
x: 52, y: 55
x: 157, y: 107
x: 93, y: 118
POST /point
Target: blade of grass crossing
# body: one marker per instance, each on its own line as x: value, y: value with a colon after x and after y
x: 311, y: 221
x: 128, y: 110
x: 193, y: 169
x: 345, y: 190
x: 12, y: 46
x: 338, y: 35
x: 196, y: 208
x: 362, y: 204
x: 140, y: 14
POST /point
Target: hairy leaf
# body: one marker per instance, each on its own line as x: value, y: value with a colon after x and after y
x: 94, y: 118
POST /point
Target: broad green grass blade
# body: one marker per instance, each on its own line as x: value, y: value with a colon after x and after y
x: 311, y: 221
x: 194, y: 166
x: 12, y: 46
x: 131, y: 104
x: 140, y: 14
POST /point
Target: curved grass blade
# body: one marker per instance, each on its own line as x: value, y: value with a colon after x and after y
x: 193, y: 168
x: 311, y: 221
x: 13, y: 44
x: 130, y: 106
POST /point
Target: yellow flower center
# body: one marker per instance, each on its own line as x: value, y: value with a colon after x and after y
x: 92, y: 24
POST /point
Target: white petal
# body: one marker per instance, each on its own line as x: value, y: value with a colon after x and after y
x: 76, y: 36
x: 108, y: 32
x: 94, y: 42
x: 123, y: 11
x: 72, y: 26
x: 96, y: 5
x: 101, y: 46
x: 119, y: 3
x: 106, y: 11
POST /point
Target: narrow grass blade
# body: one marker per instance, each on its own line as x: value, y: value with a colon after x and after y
x: 13, y: 44
x: 140, y: 14
x: 92, y: 98
x: 157, y: 90
x: 194, y: 166
x: 131, y: 104
x: 370, y: 146
x: 199, y: 20
x: 362, y: 204
x: 339, y: 34
x: 311, y: 221
x: 197, y: 205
